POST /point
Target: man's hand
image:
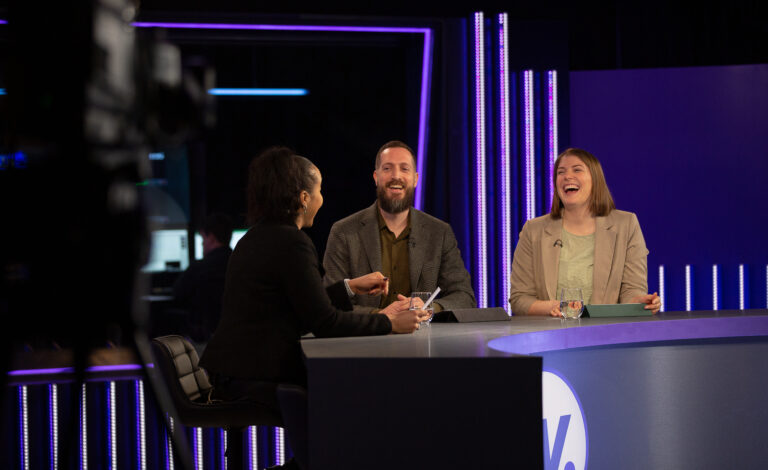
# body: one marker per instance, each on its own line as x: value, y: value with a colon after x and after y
x: 370, y: 284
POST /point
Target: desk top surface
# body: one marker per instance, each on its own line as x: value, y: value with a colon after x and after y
x: 530, y: 335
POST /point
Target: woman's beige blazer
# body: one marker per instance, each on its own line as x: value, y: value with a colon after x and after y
x: 620, y: 272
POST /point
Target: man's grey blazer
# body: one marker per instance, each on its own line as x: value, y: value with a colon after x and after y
x: 354, y: 249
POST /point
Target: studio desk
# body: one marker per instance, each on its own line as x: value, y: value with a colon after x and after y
x: 675, y: 391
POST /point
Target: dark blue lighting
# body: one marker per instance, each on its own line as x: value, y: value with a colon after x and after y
x: 19, y: 160
x: 2, y: 90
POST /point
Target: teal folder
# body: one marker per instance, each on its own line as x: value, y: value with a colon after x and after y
x: 616, y: 310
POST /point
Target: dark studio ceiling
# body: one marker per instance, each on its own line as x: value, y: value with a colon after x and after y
x: 602, y: 34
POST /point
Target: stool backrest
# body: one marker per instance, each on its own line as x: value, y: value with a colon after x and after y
x: 178, y: 361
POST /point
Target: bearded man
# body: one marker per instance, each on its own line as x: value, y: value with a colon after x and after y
x: 416, y: 251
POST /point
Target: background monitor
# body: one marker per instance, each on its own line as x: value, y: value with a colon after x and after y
x: 169, y: 251
x: 236, y: 236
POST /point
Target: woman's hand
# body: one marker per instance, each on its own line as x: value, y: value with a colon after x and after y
x: 370, y: 284
x: 652, y: 302
x: 403, y: 320
x: 555, y: 312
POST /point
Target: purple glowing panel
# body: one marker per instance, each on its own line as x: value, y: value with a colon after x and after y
x: 504, y: 158
x: 655, y: 329
x: 479, y: 54
x: 686, y: 125
x: 426, y: 70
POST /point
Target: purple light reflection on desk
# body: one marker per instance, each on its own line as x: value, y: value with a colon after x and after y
x: 636, y: 332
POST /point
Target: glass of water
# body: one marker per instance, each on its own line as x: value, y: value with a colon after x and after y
x: 417, y: 302
x: 571, y: 302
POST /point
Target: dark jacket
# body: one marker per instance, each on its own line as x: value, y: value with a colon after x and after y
x: 199, y: 291
x: 273, y: 295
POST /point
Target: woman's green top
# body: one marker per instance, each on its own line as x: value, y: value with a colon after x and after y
x: 577, y: 261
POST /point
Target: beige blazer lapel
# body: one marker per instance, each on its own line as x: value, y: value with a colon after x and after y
x: 371, y: 240
x: 550, y: 254
x: 605, y: 242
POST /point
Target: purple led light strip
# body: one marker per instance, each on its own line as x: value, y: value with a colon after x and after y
x: 551, y: 132
x: 504, y: 159
x: 426, y: 68
x: 530, y: 164
x: 482, y: 268
x: 71, y: 370
x: 53, y: 425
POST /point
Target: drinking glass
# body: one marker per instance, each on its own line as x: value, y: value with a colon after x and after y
x: 416, y: 305
x: 571, y: 303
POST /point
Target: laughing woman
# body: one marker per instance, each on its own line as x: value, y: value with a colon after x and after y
x: 584, y: 242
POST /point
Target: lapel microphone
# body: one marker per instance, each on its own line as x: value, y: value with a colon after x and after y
x: 558, y: 243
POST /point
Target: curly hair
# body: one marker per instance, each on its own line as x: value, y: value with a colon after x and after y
x: 276, y: 179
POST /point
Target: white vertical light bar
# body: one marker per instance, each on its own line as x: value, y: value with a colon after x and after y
x: 112, y: 410
x: 83, y: 430
x: 741, y: 287
x: 279, y: 446
x: 23, y: 428
x: 53, y: 416
x: 504, y: 159
x: 223, y: 440
x: 253, y: 448
x: 766, y: 286
x: 688, y: 304
x: 551, y: 133
x: 661, y: 287
x: 197, y: 442
x: 482, y: 254
x: 715, y: 290
x: 141, y: 426
x: 529, y: 144
x: 169, y: 445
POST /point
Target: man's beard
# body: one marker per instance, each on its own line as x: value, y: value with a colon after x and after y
x: 395, y: 206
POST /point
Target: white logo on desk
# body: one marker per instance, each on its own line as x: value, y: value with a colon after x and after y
x: 565, y: 430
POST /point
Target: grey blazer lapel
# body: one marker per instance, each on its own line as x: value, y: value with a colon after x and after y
x: 550, y: 254
x: 370, y: 239
x: 605, y: 242
x: 416, y: 252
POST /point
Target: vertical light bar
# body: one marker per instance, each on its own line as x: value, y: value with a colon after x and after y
x: 715, y: 290
x: 223, y: 447
x: 741, y: 287
x: 688, y: 304
x: 23, y: 429
x: 112, y: 419
x: 482, y: 255
x: 253, y: 448
x: 661, y: 287
x: 529, y: 145
x: 504, y: 159
x: 279, y: 446
x: 197, y: 446
x: 83, y: 430
x: 766, y: 286
x: 169, y: 445
x: 53, y: 424
x: 552, y: 130
x: 141, y: 430
x: 421, y: 151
